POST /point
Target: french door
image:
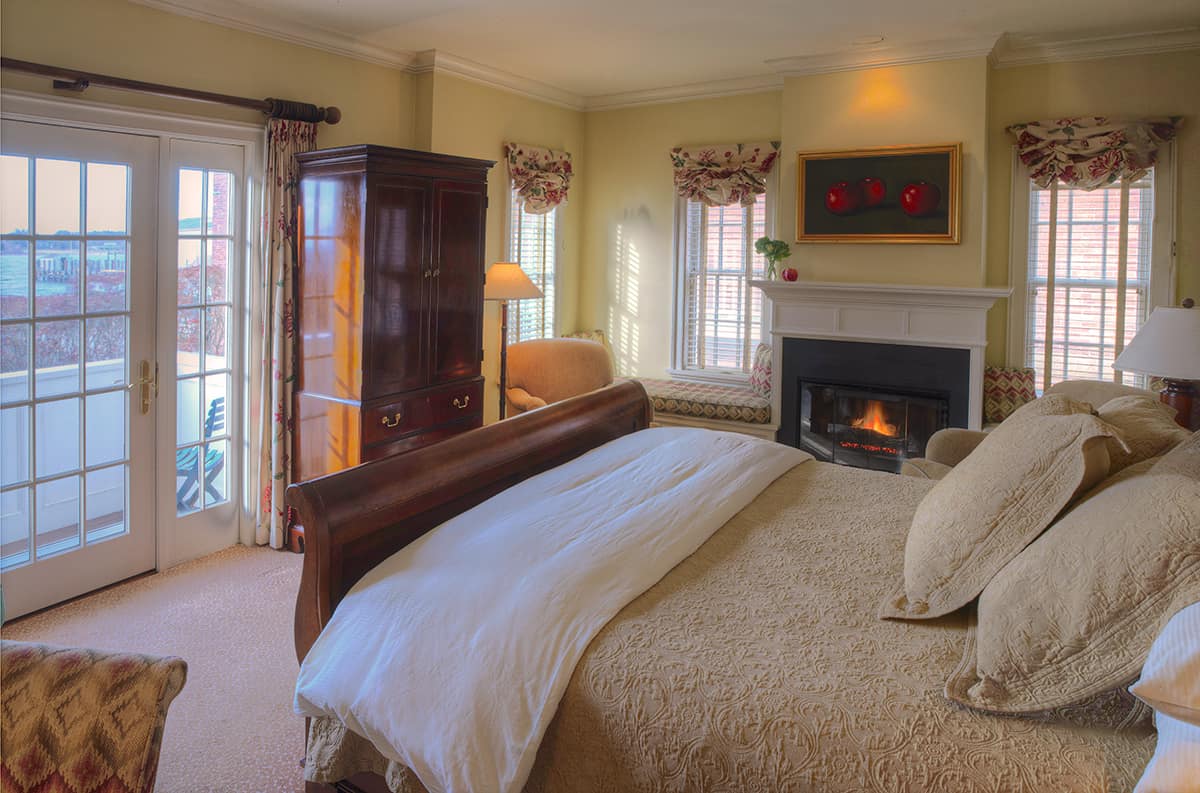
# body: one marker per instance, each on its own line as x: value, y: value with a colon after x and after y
x: 119, y: 263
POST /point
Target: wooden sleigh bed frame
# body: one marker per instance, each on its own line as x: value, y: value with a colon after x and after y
x: 354, y: 519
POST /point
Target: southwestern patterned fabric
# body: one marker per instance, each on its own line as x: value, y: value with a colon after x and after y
x: 760, y: 372
x: 719, y: 176
x: 1091, y: 151
x: 78, y: 721
x: 540, y: 176
x: 1005, y: 390
x: 707, y: 401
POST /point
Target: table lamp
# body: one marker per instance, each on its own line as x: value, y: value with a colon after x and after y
x: 1168, y: 346
x: 507, y: 281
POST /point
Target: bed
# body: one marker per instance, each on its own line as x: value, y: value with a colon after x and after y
x: 758, y: 663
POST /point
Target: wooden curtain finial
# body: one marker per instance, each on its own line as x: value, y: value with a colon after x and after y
x: 1188, y: 302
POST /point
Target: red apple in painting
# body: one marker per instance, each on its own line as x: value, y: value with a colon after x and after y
x: 873, y: 190
x: 920, y: 198
x: 790, y: 274
x: 843, y: 198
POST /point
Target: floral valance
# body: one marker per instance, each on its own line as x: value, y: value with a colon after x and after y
x: 540, y: 176
x: 718, y: 176
x: 1091, y: 151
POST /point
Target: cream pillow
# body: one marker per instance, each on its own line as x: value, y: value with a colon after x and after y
x: 1074, y: 615
x: 1146, y: 425
x: 1170, y: 683
x: 995, y: 502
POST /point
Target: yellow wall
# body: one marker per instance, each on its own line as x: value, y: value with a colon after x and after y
x: 474, y: 120
x: 942, y: 102
x: 627, y: 284
x: 127, y: 40
x: 1133, y: 86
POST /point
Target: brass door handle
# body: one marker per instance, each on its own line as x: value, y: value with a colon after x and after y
x: 465, y: 401
x: 148, y: 382
x: 393, y: 422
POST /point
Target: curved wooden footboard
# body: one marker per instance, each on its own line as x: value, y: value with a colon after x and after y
x: 354, y: 519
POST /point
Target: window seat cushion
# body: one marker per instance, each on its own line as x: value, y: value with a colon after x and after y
x: 707, y: 401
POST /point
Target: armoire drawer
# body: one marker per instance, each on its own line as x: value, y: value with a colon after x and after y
x: 417, y: 440
x: 387, y: 421
x: 455, y: 402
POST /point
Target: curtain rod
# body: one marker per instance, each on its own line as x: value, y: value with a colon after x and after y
x: 75, y: 80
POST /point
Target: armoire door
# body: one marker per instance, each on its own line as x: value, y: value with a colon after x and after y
x: 398, y: 286
x: 460, y: 212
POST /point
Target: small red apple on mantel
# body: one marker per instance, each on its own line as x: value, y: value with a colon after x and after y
x: 790, y: 274
x: 918, y: 199
x: 873, y: 190
x: 843, y: 198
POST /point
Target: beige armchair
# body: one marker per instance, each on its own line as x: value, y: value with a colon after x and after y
x: 948, y: 447
x: 543, y: 371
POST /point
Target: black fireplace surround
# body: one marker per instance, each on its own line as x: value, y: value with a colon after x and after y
x: 938, y: 374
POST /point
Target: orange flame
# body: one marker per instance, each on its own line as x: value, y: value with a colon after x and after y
x: 875, y: 421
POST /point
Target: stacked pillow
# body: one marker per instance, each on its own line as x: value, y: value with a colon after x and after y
x: 1074, y: 579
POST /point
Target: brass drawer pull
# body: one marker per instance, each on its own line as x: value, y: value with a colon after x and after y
x: 465, y: 401
x: 437, y: 272
x: 393, y: 422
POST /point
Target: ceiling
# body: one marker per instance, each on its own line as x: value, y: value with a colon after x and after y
x: 600, y: 47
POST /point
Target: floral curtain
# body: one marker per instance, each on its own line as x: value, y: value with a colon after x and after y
x: 540, y: 176
x: 718, y: 176
x: 277, y: 372
x: 1091, y: 151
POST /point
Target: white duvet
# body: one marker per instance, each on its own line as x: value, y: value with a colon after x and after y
x: 452, y: 655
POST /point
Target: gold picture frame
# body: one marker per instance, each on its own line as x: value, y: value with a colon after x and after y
x: 889, y: 194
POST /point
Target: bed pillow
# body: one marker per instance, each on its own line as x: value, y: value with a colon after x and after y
x: 996, y: 501
x: 1147, y: 426
x: 1074, y: 615
x: 1169, y: 685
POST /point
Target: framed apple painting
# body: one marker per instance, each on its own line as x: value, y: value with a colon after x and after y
x: 892, y: 194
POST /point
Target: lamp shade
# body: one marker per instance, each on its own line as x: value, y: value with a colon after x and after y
x: 1168, y: 345
x: 507, y: 281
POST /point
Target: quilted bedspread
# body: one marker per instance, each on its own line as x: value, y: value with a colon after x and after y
x: 758, y: 665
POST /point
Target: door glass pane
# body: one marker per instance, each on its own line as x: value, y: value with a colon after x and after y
x: 187, y: 411
x: 56, y: 277
x: 14, y: 528
x: 57, y: 447
x: 187, y: 479
x: 189, y: 272
x: 107, y: 199
x: 215, y: 478
x: 14, y: 363
x: 191, y: 199
x: 56, y: 354
x: 187, y: 356
x: 107, y: 416
x: 216, y: 324
x: 14, y: 451
x: 105, y: 503
x: 216, y: 390
x: 106, y: 351
x: 217, y: 204
x: 216, y: 272
x: 58, y: 504
x: 14, y: 279
x: 56, y: 187
x: 14, y: 195
x: 107, y: 265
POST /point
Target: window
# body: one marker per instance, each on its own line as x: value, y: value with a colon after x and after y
x: 531, y: 243
x: 719, y: 315
x: 1080, y: 299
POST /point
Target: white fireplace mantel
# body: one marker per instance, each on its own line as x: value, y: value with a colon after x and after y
x: 929, y: 316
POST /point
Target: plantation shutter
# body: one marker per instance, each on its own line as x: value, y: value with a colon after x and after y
x: 531, y: 243
x: 1088, y: 277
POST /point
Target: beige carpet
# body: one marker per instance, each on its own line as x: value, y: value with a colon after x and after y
x: 229, y: 616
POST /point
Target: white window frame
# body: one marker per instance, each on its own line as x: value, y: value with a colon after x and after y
x: 559, y: 248
x: 1162, y: 248
x: 678, y: 369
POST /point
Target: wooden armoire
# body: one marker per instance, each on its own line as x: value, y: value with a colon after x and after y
x: 389, y: 303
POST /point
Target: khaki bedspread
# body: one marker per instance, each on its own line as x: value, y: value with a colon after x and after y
x: 758, y: 664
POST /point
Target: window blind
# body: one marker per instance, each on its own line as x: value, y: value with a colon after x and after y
x: 1088, y: 279
x: 722, y: 312
x: 531, y: 243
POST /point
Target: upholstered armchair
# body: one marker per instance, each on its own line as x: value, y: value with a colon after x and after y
x: 543, y: 371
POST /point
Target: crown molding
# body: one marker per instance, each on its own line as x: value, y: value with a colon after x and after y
x: 1017, y: 50
x: 884, y: 54
x: 441, y: 62
x: 684, y: 93
x: 250, y: 20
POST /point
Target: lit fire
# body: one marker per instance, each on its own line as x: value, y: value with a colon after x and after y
x: 875, y: 421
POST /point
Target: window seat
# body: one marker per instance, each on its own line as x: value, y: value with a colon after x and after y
x: 724, y: 407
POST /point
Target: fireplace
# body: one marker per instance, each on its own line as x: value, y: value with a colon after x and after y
x: 868, y: 427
